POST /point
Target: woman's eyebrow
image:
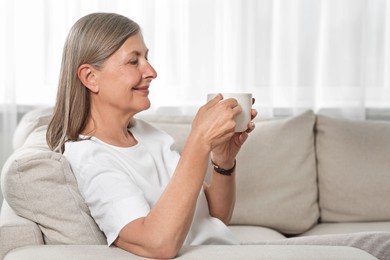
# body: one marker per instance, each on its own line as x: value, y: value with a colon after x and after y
x: 138, y: 53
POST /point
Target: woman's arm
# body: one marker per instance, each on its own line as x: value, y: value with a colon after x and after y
x: 162, y: 232
x: 221, y: 193
x: 221, y: 196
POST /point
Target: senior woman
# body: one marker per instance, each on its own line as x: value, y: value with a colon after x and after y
x: 146, y: 198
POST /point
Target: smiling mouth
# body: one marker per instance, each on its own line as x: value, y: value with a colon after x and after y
x: 142, y: 89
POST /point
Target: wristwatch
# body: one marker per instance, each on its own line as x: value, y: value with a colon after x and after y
x: 224, y: 171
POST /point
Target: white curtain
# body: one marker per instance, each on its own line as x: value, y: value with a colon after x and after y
x: 291, y: 54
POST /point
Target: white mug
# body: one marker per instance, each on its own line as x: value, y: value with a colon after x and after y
x: 245, y: 102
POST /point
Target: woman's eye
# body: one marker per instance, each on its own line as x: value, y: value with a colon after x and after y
x: 133, y: 62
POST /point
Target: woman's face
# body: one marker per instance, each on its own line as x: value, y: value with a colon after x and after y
x: 125, y: 77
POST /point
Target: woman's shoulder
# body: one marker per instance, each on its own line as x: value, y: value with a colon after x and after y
x: 85, y: 151
x: 81, y: 145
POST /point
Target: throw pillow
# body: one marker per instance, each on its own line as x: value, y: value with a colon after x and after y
x: 41, y: 187
x: 353, y: 169
x: 276, y: 176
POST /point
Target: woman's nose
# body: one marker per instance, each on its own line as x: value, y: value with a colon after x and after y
x: 149, y: 72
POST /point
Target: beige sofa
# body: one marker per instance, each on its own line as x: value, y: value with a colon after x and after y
x: 299, y: 176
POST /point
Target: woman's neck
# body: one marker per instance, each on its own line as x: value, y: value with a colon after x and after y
x: 110, y: 127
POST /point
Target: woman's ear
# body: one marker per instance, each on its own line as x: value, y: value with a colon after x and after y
x: 87, y: 76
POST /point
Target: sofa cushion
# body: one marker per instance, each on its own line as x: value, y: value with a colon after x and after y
x: 276, y: 176
x: 254, y: 234
x: 209, y: 252
x: 41, y: 187
x: 347, y: 227
x: 30, y: 121
x: 353, y: 169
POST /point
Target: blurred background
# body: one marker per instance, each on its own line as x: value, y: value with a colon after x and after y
x: 331, y: 56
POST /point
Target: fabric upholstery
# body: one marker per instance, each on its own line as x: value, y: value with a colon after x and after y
x: 210, y: 252
x: 29, y: 122
x: 41, y: 187
x: 347, y: 227
x: 375, y: 243
x: 276, y: 176
x: 253, y: 234
x: 16, y: 231
x: 34, y: 142
x: 353, y: 169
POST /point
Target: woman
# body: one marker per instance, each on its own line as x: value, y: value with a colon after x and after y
x: 145, y: 197
x: 139, y: 191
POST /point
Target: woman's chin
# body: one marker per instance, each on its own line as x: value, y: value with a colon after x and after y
x: 145, y: 106
x: 139, y: 106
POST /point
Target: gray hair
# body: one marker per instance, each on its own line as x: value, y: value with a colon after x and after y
x: 91, y: 40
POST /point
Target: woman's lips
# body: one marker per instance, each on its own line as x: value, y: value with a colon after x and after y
x: 144, y: 90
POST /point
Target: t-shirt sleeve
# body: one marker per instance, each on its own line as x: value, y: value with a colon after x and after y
x: 112, y: 197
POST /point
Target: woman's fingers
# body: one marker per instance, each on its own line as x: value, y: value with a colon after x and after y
x: 242, y: 138
x: 230, y: 102
x: 214, y: 101
x: 253, y: 114
x: 251, y: 127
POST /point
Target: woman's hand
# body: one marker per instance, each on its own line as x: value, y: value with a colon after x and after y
x: 224, y: 154
x: 221, y: 192
x: 214, y: 122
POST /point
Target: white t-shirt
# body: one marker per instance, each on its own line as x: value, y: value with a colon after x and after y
x: 120, y: 185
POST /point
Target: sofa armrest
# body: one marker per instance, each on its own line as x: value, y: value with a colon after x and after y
x: 16, y: 231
